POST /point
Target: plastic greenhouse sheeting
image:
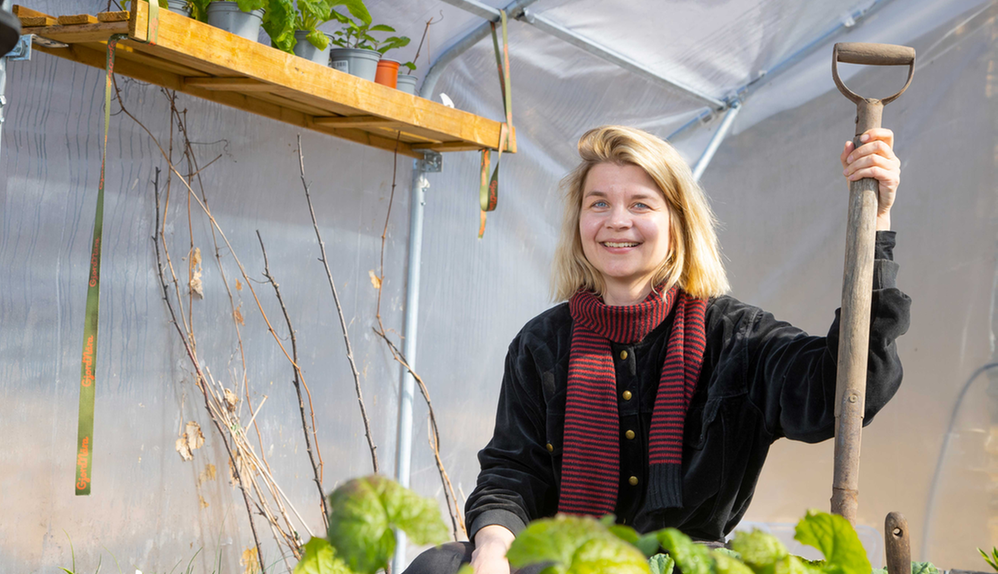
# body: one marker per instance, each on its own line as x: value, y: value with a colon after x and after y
x: 775, y: 185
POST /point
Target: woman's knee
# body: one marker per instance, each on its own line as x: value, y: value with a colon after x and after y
x: 443, y: 559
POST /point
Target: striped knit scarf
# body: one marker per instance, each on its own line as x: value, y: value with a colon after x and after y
x: 591, y: 462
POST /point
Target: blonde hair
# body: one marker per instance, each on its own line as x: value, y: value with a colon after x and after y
x: 694, y: 261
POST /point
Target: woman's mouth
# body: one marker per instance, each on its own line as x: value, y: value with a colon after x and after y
x: 619, y: 244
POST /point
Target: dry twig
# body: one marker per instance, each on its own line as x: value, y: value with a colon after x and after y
x: 339, y: 311
x: 297, y: 382
x: 451, y: 499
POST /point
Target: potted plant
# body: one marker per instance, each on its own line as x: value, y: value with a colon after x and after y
x: 308, y: 41
x: 388, y: 70
x: 355, y: 53
x: 240, y: 17
x: 406, y: 82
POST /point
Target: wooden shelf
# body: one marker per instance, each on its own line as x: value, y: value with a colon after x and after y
x: 203, y: 61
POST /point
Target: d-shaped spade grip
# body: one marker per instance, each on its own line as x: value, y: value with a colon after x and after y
x: 870, y: 110
x: 857, y: 282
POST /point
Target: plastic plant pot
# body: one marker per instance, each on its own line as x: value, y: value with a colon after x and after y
x: 227, y: 16
x: 179, y: 7
x: 307, y: 50
x: 406, y: 83
x: 387, y: 73
x: 355, y: 61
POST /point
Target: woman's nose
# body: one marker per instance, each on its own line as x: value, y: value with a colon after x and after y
x: 619, y: 218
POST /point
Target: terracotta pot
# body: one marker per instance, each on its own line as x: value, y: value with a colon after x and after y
x: 388, y: 72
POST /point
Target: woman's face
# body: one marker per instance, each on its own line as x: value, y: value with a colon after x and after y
x: 624, y: 226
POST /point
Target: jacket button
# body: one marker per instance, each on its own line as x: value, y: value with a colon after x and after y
x: 627, y: 395
x: 623, y: 355
x: 550, y: 447
x: 633, y: 481
x: 629, y: 434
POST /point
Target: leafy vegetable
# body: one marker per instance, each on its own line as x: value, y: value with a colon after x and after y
x: 758, y: 549
x: 575, y: 545
x: 692, y: 558
x: 364, y: 510
x: 923, y: 568
x: 725, y: 563
x: 279, y: 24
x: 661, y: 564
x: 647, y: 544
x: 837, y: 541
x: 319, y: 557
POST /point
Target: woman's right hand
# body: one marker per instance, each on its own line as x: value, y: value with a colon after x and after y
x: 491, y: 544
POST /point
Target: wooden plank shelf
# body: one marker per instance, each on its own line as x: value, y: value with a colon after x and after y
x: 197, y: 59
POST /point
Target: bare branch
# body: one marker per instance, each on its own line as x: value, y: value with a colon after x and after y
x: 339, y: 311
x: 297, y: 382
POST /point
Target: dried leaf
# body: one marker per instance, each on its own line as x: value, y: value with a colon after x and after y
x: 196, y: 286
x: 231, y: 400
x: 239, y: 285
x: 249, y: 561
x: 375, y: 280
x: 207, y: 474
x: 204, y: 503
x: 238, y: 315
x: 195, y: 439
x: 183, y: 449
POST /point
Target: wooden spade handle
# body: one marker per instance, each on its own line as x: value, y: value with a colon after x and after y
x: 897, y: 542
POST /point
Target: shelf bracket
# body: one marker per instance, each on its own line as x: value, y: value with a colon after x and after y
x: 432, y: 162
x: 22, y: 50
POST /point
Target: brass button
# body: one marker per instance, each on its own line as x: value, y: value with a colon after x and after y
x: 627, y: 395
x: 550, y: 447
x: 633, y: 481
x: 623, y: 355
x: 629, y: 434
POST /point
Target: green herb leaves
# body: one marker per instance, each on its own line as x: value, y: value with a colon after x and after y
x: 836, y: 539
x: 364, y: 510
x: 575, y: 545
x: 320, y: 558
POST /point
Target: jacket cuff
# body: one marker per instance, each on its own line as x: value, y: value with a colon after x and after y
x: 885, y: 270
x: 503, y: 518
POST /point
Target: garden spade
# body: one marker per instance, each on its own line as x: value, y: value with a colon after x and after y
x: 857, y: 279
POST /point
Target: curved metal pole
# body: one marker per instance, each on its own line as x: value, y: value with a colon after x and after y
x: 514, y: 10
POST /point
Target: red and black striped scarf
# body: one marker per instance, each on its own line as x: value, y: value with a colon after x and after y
x: 591, y: 462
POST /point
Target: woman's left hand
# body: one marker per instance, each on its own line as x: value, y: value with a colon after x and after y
x: 875, y: 158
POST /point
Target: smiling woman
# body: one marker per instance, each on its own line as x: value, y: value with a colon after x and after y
x: 651, y: 394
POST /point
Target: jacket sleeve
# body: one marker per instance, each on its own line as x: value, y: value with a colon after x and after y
x: 517, y: 482
x: 792, y: 375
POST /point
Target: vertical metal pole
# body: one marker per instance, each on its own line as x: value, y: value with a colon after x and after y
x: 715, y: 142
x: 5, y: 5
x: 403, y: 451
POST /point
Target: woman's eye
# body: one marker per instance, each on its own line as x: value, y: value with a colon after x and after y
x: 600, y: 203
x: 641, y: 206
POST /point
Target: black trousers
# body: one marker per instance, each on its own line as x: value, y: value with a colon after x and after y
x: 448, y: 558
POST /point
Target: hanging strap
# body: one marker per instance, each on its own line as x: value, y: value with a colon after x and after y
x: 152, y: 24
x: 85, y: 429
x: 488, y: 192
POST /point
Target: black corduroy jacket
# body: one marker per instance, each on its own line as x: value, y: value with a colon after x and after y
x: 762, y: 379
